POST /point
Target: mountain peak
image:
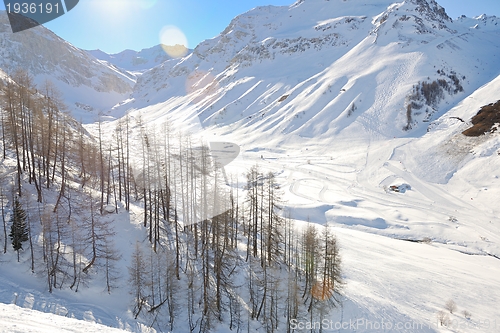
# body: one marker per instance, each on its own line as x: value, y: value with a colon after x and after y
x: 432, y: 10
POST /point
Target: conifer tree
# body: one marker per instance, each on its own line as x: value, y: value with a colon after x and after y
x: 19, y: 229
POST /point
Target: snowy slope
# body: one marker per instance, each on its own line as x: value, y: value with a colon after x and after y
x: 88, y: 86
x: 134, y: 61
x: 14, y: 319
x: 67, y: 308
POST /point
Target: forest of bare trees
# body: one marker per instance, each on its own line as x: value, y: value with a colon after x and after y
x: 213, y: 252
x: 54, y: 174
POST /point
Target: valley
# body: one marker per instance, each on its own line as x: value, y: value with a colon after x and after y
x: 338, y: 126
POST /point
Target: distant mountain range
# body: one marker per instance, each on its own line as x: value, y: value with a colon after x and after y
x: 315, y: 69
x: 330, y: 64
x: 135, y: 61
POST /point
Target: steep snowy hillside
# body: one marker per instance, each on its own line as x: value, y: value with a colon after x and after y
x: 135, y: 61
x: 88, y: 86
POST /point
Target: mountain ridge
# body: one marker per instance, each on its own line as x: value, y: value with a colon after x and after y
x: 135, y: 61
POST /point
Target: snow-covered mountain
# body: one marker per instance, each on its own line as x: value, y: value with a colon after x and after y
x: 319, y: 67
x: 358, y: 107
x: 349, y: 101
x: 135, y: 61
x: 88, y: 86
x: 321, y: 72
x: 341, y: 76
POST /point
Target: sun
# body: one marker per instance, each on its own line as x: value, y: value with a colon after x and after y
x: 114, y: 11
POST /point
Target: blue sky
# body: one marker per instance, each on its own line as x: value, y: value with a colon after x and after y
x: 115, y: 25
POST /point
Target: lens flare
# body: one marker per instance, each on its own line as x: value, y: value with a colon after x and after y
x: 173, y: 41
x: 201, y: 84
